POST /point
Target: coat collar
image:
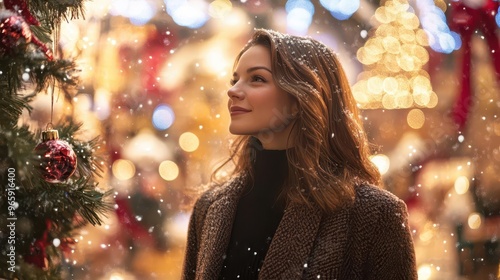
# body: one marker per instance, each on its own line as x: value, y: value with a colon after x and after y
x: 291, y: 246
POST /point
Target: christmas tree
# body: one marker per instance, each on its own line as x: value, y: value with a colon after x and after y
x: 49, y: 178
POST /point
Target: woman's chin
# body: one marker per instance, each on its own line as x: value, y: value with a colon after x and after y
x: 239, y: 130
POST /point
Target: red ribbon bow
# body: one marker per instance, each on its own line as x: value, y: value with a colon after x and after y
x: 465, y: 21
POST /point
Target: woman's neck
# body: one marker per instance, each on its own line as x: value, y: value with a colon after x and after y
x: 273, y: 142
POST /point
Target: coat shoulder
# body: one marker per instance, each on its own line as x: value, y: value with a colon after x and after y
x: 372, y: 195
x: 373, y: 201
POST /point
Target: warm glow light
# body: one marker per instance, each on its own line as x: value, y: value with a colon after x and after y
x: 408, y: 20
x: 395, y: 56
x: 461, y: 185
x: 415, y: 118
x: 382, y: 162
x: 116, y: 276
x: 390, y: 85
x: 424, y: 272
x: 123, y: 169
x: 189, y: 142
x: 426, y: 235
x: 433, y: 101
x: 168, y: 170
x: 474, y: 221
x: 391, y: 44
x: 388, y: 101
x: 220, y: 8
x: 216, y: 60
x: 383, y: 16
x: 375, y: 85
x: 406, y: 35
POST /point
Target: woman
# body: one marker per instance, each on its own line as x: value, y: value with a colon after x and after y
x: 302, y: 202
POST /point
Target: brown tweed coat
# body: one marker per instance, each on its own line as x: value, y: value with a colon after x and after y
x: 369, y: 240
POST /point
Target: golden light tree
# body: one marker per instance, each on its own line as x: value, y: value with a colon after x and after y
x: 394, y: 59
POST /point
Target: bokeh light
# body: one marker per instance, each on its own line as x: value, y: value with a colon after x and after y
x: 168, y: 170
x: 101, y: 103
x: 220, y: 8
x: 433, y: 20
x: 341, y: 9
x: 382, y: 162
x: 139, y: 12
x: 189, y: 13
x: 189, y: 142
x: 461, y: 185
x: 415, y: 118
x: 424, y: 272
x: 163, y: 117
x: 474, y: 220
x: 299, y: 15
x: 123, y: 169
x: 497, y: 17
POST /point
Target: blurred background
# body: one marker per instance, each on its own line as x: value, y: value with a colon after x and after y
x: 426, y: 75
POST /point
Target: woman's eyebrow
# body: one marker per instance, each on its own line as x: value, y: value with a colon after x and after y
x: 255, y: 68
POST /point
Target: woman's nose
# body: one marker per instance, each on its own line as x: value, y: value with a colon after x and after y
x: 235, y: 92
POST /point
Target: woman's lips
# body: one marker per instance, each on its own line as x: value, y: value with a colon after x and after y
x: 235, y: 110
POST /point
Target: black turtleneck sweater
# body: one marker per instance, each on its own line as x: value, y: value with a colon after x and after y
x: 259, y: 212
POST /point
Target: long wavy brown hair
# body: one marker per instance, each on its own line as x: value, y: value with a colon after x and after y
x: 330, y: 154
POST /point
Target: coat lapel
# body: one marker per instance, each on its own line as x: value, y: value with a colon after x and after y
x: 217, y: 230
x: 292, y: 243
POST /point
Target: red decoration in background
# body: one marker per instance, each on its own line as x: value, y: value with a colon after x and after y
x: 38, y: 249
x: 465, y: 21
x: 58, y: 160
x: 21, y: 7
x: 129, y: 223
x: 14, y: 30
x: 155, y: 52
x: 38, y: 255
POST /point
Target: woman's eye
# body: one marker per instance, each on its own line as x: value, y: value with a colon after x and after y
x: 232, y: 82
x: 258, y: 79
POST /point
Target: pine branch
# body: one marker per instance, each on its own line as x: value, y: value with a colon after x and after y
x: 40, y: 71
x: 59, y: 202
x: 88, y: 151
x: 17, y: 143
x: 12, y: 108
x: 42, y: 32
x: 62, y: 70
x: 12, y: 67
x: 22, y: 72
x: 47, y: 11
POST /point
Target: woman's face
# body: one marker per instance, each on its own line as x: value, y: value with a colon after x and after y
x: 256, y: 104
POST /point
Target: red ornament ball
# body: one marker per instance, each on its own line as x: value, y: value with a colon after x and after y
x: 57, y: 158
